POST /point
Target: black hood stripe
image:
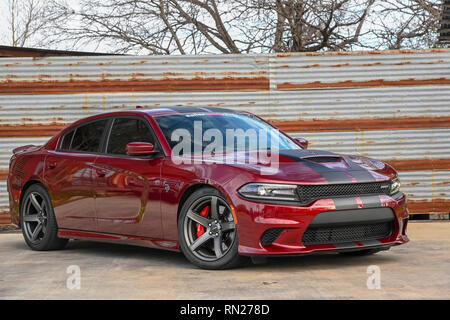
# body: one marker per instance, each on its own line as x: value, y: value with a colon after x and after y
x: 359, y: 172
x: 332, y: 176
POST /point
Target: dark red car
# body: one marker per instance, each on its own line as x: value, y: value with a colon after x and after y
x: 121, y: 177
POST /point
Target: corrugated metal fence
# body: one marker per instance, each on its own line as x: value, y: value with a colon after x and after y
x: 391, y: 105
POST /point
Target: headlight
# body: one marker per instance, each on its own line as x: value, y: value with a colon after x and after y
x: 395, y: 186
x: 269, y: 191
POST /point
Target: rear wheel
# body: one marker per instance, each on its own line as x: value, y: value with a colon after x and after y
x: 207, y: 231
x: 38, y: 221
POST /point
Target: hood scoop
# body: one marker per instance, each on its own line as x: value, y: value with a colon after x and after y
x: 329, y: 161
x: 320, y: 159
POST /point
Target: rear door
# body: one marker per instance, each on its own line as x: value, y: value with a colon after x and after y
x: 69, y: 172
x: 128, y: 188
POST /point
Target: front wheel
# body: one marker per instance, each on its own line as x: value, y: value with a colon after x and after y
x: 38, y: 220
x: 207, y: 231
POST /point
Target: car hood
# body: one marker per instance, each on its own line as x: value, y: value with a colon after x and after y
x: 311, y: 167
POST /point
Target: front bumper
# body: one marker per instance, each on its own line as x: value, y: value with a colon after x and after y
x: 255, y: 218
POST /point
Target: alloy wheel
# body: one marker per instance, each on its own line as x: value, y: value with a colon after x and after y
x: 35, y: 217
x: 209, y: 228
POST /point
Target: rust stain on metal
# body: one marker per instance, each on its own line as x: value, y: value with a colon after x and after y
x: 435, y: 205
x: 218, y: 104
x: 356, y: 53
x: 340, y: 65
x: 204, y: 74
x: 35, y: 130
x: 3, y: 174
x: 420, y: 164
x: 43, y: 130
x: 5, y: 217
x: 316, y: 65
x: 42, y: 64
x: 172, y: 74
x: 138, y: 62
x: 76, y: 63
x: 136, y: 85
x: 371, y: 64
x: 201, y: 61
x: 136, y: 75
x: 363, y: 65
x: 12, y: 64
x: 58, y: 107
x: 360, y: 84
x: 362, y: 124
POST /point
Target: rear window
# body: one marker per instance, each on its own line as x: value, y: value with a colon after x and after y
x: 66, y: 141
x: 87, y: 138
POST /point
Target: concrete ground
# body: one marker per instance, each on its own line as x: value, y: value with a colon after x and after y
x: 417, y: 270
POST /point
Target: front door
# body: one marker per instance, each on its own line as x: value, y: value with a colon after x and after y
x: 128, y: 188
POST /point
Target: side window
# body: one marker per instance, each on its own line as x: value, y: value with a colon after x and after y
x: 126, y: 130
x: 88, y: 137
x: 66, y: 140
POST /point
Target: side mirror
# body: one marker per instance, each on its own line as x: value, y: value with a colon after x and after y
x: 302, y: 142
x: 140, y: 148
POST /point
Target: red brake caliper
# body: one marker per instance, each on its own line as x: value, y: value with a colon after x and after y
x: 200, y: 228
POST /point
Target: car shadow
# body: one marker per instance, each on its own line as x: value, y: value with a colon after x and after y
x: 324, y: 261
x: 114, y: 250
x: 152, y: 256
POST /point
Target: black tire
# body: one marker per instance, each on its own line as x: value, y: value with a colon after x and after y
x: 219, y: 249
x: 365, y: 252
x: 38, y: 222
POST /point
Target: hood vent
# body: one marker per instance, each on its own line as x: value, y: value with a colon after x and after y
x: 323, y: 158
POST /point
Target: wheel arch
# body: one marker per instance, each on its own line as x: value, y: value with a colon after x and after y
x: 187, y: 193
x: 194, y: 187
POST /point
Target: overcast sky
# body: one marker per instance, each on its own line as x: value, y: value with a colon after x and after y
x: 5, y: 37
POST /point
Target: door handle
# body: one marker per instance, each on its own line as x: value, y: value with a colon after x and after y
x: 51, y: 165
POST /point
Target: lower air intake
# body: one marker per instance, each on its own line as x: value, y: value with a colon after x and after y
x: 346, y: 233
x: 269, y: 236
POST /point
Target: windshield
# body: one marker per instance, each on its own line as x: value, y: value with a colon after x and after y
x: 221, y: 132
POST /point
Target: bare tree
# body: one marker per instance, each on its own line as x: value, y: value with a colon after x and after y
x: 150, y: 26
x: 412, y: 24
x: 26, y: 21
x: 246, y: 26
x: 304, y: 25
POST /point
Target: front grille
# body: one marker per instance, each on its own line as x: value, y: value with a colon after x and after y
x: 348, y: 233
x: 309, y: 193
x: 269, y: 236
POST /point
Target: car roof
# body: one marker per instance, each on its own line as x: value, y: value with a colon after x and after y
x: 153, y: 112
x: 168, y: 111
x: 184, y: 110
